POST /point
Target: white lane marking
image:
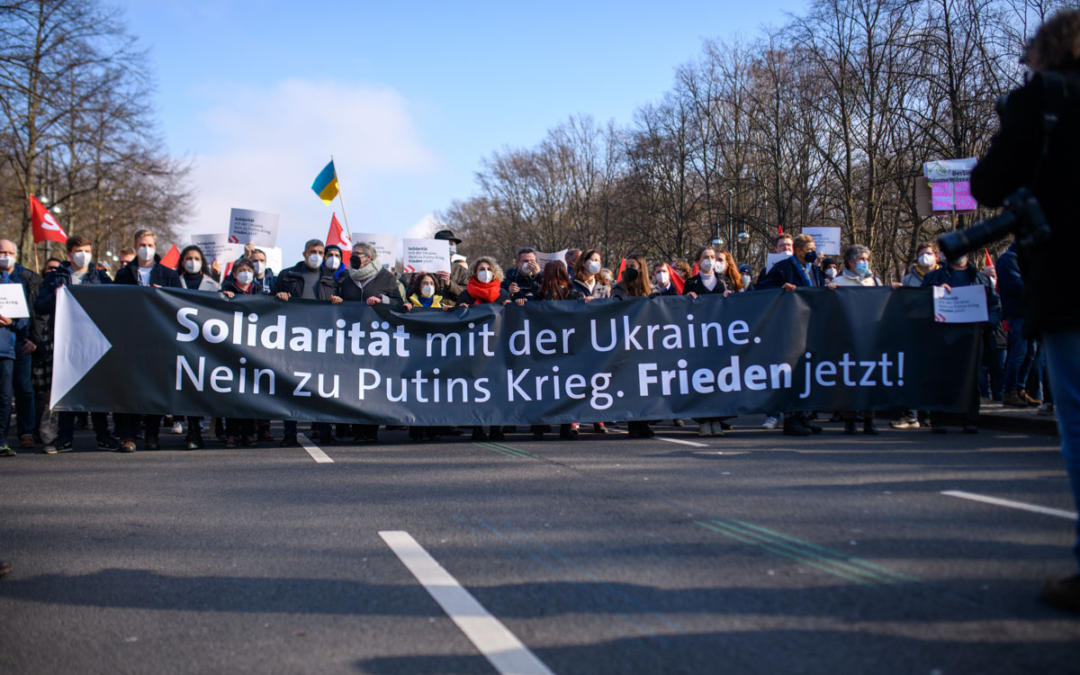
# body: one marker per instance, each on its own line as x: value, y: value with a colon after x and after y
x: 315, y: 451
x: 490, y: 637
x: 1011, y: 504
x: 692, y: 444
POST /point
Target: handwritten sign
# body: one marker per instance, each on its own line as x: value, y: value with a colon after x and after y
x: 257, y: 227
x: 965, y: 304
x: 826, y: 238
x: 425, y: 255
x: 386, y: 247
x: 13, y: 302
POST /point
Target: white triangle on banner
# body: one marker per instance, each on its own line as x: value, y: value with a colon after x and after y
x: 78, y: 345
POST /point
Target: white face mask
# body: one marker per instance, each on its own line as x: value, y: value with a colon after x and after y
x: 706, y: 265
x: 926, y: 260
x: 193, y: 266
x: 333, y: 262
x: 746, y: 280
x: 146, y: 253
x: 662, y: 278
x: 526, y: 269
x: 485, y: 276
x: 593, y: 266
x: 721, y: 266
x: 831, y: 272
x: 245, y: 277
x: 7, y: 262
x: 314, y: 260
x: 427, y: 290
x: 260, y: 267
x: 80, y: 259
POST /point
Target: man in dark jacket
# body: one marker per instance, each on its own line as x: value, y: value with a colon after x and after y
x: 23, y: 369
x: 1016, y: 158
x: 958, y: 273
x: 145, y: 270
x: 13, y: 332
x: 77, y: 270
x: 1020, y: 356
x: 264, y: 276
x: 798, y: 271
x: 523, y: 281
x: 457, y: 278
x: 368, y: 281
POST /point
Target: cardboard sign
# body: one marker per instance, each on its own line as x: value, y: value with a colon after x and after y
x: 257, y: 227
x: 425, y: 255
x: 965, y: 304
x: 543, y: 258
x: 773, y: 258
x: 13, y: 302
x: 826, y: 238
x: 385, y: 245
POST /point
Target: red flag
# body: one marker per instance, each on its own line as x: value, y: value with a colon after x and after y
x: 989, y: 262
x: 337, y: 236
x: 622, y: 268
x: 779, y: 229
x: 696, y: 271
x: 172, y: 258
x: 677, y: 281
x: 45, y: 226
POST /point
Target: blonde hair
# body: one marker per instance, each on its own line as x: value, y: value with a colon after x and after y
x: 490, y: 261
x: 139, y: 234
x: 801, y: 241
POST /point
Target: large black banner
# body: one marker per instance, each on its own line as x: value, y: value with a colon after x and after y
x: 131, y: 349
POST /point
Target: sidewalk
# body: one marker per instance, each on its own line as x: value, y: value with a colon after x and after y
x: 1024, y: 420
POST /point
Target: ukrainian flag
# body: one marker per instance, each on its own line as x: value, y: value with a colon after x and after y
x: 325, y: 184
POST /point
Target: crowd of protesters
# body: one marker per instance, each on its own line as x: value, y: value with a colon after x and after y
x: 1012, y: 367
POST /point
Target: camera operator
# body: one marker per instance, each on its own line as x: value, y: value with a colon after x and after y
x: 1022, y: 154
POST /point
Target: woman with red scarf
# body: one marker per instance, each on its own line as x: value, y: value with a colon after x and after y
x: 485, y: 288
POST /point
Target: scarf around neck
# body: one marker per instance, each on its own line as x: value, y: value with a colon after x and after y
x: 366, y: 272
x: 483, y: 293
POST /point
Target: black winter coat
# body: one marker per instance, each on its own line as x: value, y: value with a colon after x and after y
x: 528, y: 286
x: 379, y: 285
x: 159, y: 274
x: 291, y: 281
x: 968, y: 277
x: 46, y: 299
x: 695, y: 285
x: 1011, y: 163
x: 785, y: 272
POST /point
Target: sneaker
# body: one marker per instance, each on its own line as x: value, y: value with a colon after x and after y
x: 107, y: 444
x: 127, y: 446
x: 1063, y: 593
x: 49, y: 449
x: 26, y: 442
x: 772, y: 421
x: 177, y: 428
x: 195, y: 442
x: 1013, y: 399
x: 6, y: 451
x: 1046, y: 409
x: 63, y: 446
x: 905, y: 423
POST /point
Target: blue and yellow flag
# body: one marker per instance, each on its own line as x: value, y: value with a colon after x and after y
x: 325, y: 184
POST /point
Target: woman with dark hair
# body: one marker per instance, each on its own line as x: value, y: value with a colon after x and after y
x: 193, y: 271
x: 635, y: 279
x: 710, y: 276
x: 425, y: 291
x: 589, y: 276
x: 555, y: 286
x: 241, y: 281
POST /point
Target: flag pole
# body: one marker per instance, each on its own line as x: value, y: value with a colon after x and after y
x: 341, y: 201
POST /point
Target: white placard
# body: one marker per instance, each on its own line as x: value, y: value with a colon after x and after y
x: 13, y: 302
x: 542, y: 259
x: 258, y: 227
x: 273, y: 256
x: 964, y: 304
x: 826, y: 238
x: 385, y: 245
x: 949, y: 170
x: 773, y: 258
x: 217, y: 247
x: 425, y: 255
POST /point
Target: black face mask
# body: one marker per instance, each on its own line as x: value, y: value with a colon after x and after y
x: 630, y: 274
x: 810, y: 256
x: 354, y: 262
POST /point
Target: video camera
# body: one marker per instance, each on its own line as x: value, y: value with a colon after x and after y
x: 1023, y: 217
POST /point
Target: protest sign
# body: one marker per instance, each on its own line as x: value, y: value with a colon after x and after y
x: 13, y: 302
x: 543, y: 258
x: 826, y: 238
x: 773, y: 258
x: 257, y: 227
x: 425, y: 255
x: 385, y: 245
x: 217, y: 247
x: 963, y: 304
x: 950, y: 185
x: 542, y: 363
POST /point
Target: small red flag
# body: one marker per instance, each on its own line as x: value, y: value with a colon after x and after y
x: 696, y: 271
x: 779, y: 229
x: 622, y: 268
x: 676, y: 280
x: 172, y: 258
x: 45, y: 226
x: 338, y: 237
x: 989, y: 262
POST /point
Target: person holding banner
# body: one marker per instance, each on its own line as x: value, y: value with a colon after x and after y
x: 926, y: 261
x: 22, y: 377
x: 368, y: 281
x: 961, y: 272
x: 589, y: 277
x: 308, y: 279
x: 556, y: 286
x: 145, y: 270
x: 710, y: 276
x: 424, y: 292
x: 12, y: 332
x: 635, y: 281
x: 732, y: 275
x: 77, y: 270
x: 264, y: 276
x: 746, y: 275
x: 523, y: 281
x: 193, y: 275
x: 663, y: 286
x: 484, y: 288
x: 242, y: 280
x: 783, y: 244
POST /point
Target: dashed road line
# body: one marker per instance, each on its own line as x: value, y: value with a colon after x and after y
x: 315, y: 451
x: 490, y: 637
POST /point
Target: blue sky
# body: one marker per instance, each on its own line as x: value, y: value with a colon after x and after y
x: 407, y: 96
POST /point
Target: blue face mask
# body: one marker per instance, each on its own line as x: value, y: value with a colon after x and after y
x: 862, y: 267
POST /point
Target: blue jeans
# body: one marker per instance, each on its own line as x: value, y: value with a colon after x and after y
x: 992, y: 373
x: 1017, y: 364
x: 7, y: 368
x: 1063, y: 369
x: 23, y: 383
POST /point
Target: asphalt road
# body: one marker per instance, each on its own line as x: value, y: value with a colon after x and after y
x: 751, y: 553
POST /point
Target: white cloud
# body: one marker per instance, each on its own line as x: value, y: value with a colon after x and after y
x: 424, y: 228
x: 266, y: 145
